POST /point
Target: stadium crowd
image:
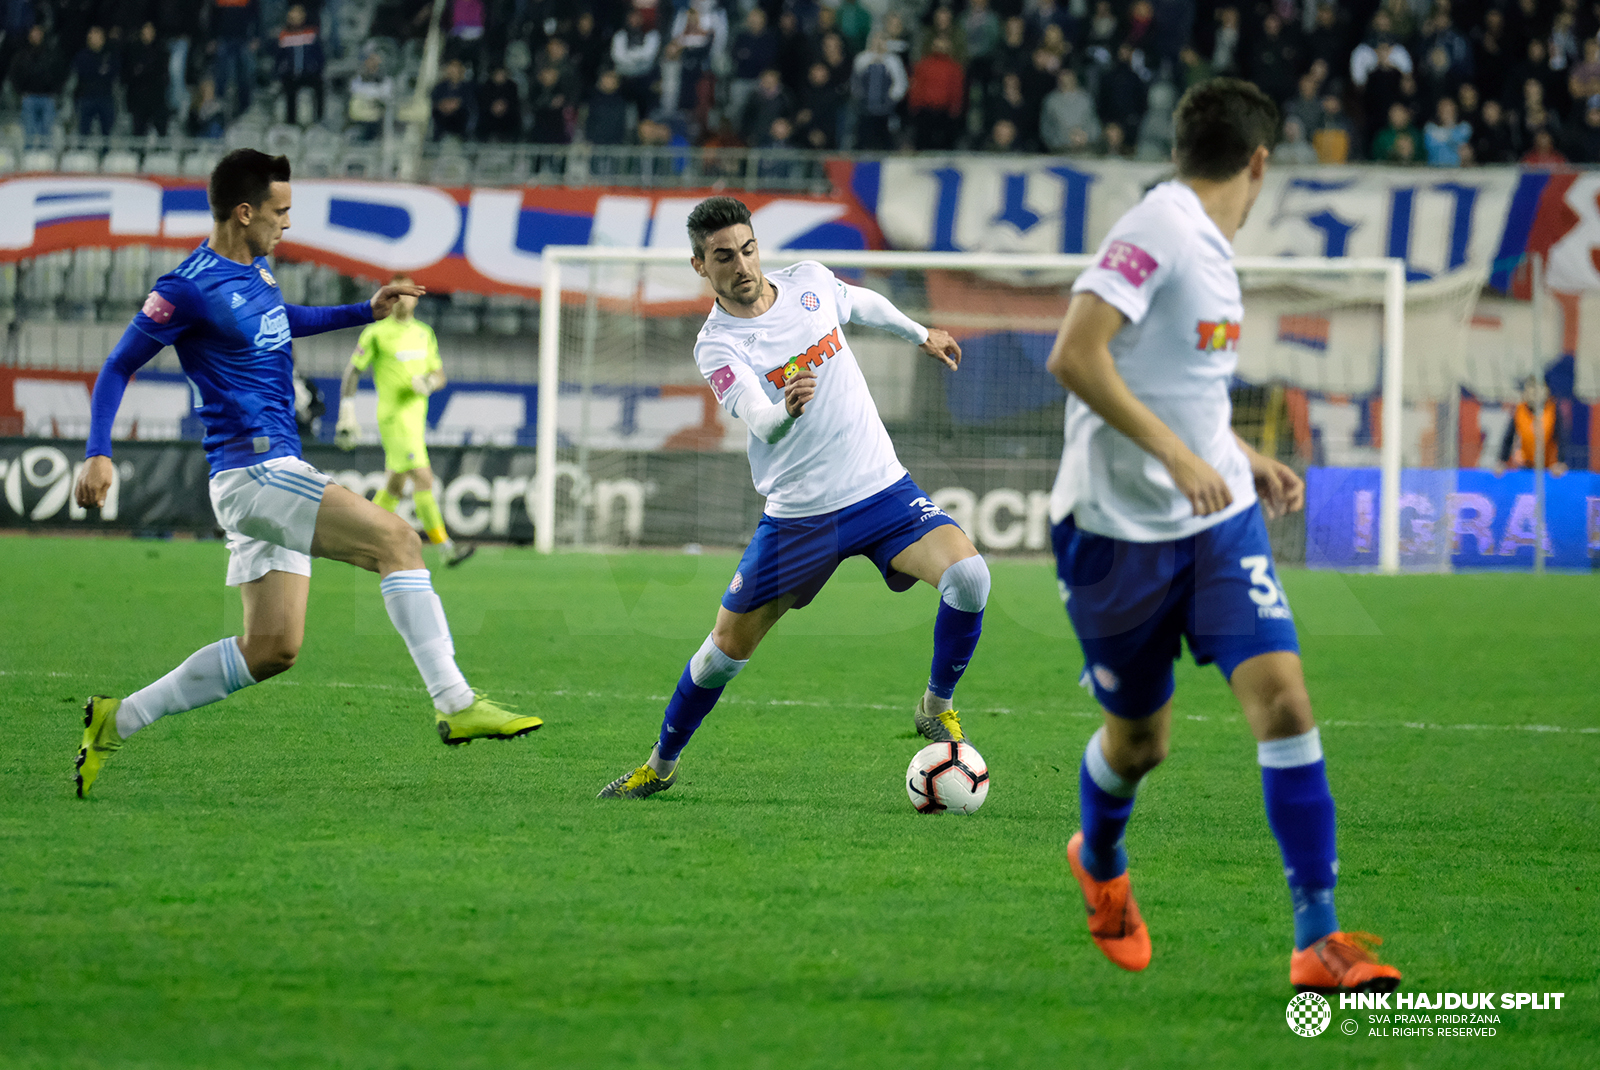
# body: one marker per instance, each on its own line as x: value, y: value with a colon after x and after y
x: 1445, y: 83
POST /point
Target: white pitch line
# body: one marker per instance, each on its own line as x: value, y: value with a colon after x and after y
x: 775, y: 702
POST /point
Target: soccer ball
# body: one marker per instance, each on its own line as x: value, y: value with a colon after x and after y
x: 947, y: 776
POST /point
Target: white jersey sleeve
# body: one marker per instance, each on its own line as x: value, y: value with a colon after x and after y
x: 1136, y: 259
x: 738, y: 391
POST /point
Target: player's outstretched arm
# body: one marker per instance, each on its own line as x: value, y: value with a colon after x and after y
x: 133, y: 351
x: 1081, y: 359
x: 383, y: 301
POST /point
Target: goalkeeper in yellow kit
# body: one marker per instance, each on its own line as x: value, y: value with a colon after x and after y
x: 403, y: 355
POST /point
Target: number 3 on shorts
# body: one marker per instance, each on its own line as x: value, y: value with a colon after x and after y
x: 1264, y: 591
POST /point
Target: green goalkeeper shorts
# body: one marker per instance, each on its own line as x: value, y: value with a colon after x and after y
x: 404, y: 441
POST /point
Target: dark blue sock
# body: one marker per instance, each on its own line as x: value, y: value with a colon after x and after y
x: 1105, y: 819
x: 955, y: 637
x: 685, y: 710
x: 1300, y: 811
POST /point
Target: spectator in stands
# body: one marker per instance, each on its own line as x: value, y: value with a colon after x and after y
x: 1437, y: 79
x: 938, y: 97
x: 1445, y: 135
x: 1381, y: 80
x: 981, y: 28
x: 1387, y: 144
x: 1002, y: 137
x: 702, y: 24
x: 235, y: 25
x: 499, y: 108
x: 855, y: 24
x: 1535, y: 66
x: 1195, y: 69
x: 1334, y: 134
x: 1039, y: 80
x: 1011, y: 55
x: 897, y: 38
x: 607, y: 120
x: 556, y: 54
x: 1520, y: 444
x: 831, y: 54
x: 821, y: 107
x: 1100, y: 40
x: 1044, y: 14
x: 1154, y: 143
x: 1440, y: 32
x: 589, y: 47
x: 1495, y: 140
x: 1584, y: 144
x: 299, y: 64
x: 144, y: 72
x: 1535, y: 113
x: 1306, y: 105
x: 1470, y: 104
x: 944, y: 24
x: 1489, y: 56
x: 454, y: 100
x: 769, y: 101
x: 1583, y: 81
x: 1010, y: 105
x: 1329, y: 40
x: 464, y: 23
x: 38, y: 76
x: 1225, y: 52
x: 755, y: 50
x: 1381, y: 46
x: 1294, y: 150
x: 17, y: 17
x: 1544, y: 152
x: 878, y: 84
x: 552, y: 109
x: 207, y: 114
x: 178, y: 24
x: 697, y: 46
x: 634, y: 52
x: 794, y: 50
x: 1067, y: 122
x: 97, y: 69
x: 1114, y: 142
x: 1274, y: 59
x: 371, y: 96
x: 1123, y: 93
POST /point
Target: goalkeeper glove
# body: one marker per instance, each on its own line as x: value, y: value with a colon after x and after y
x: 347, y: 430
x: 420, y: 384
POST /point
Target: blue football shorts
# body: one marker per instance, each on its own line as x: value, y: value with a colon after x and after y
x: 1132, y: 602
x: 797, y: 555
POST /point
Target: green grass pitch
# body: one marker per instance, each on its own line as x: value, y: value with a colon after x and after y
x: 303, y: 876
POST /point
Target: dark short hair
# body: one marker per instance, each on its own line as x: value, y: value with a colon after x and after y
x: 711, y: 215
x: 244, y: 176
x: 1218, y: 125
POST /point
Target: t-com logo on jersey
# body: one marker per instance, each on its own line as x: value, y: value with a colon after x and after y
x: 1223, y: 335
x: 825, y: 347
x: 274, y: 332
x: 1129, y: 261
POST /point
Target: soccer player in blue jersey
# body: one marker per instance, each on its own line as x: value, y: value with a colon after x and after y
x: 1159, y: 533
x: 222, y: 311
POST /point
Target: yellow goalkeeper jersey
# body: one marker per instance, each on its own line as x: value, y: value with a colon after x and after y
x: 395, y: 351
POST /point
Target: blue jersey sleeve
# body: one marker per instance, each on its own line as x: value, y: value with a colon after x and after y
x: 172, y: 307
x: 132, y: 352
x: 315, y: 319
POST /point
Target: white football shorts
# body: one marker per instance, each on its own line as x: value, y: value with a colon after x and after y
x: 269, y: 512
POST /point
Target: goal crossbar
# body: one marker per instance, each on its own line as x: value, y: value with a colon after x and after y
x: 1392, y: 269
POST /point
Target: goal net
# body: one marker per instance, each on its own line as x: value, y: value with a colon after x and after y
x: 1342, y: 368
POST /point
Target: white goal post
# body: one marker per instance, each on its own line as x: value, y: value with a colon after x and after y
x: 1391, y: 272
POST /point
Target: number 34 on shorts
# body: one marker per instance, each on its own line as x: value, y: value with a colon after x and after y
x: 1266, y: 592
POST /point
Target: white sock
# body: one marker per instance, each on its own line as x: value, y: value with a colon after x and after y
x: 933, y: 705
x: 209, y: 675
x: 419, y: 618
x: 662, y: 766
x: 1110, y: 781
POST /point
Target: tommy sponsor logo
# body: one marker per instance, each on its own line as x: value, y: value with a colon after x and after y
x: 825, y: 347
x: 721, y: 381
x: 1129, y: 261
x: 274, y: 330
x: 158, y: 308
x: 1217, y: 335
x: 809, y: 301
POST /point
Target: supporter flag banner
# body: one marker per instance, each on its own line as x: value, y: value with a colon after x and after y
x: 484, y: 241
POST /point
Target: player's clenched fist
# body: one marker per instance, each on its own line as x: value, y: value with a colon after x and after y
x: 799, y: 390
x: 1196, y: 480
x: 943, y: 348
x: 94, y: 482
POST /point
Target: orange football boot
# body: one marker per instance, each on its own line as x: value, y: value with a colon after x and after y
x: 1114, y: 919
x: 1342, y: 962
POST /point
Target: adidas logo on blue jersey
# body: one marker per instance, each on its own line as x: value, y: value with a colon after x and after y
x: 235, y: 301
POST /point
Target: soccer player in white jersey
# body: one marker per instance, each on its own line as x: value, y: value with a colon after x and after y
x: 222, y: 311
x: 1159, y: 534
x: 775, y: 353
